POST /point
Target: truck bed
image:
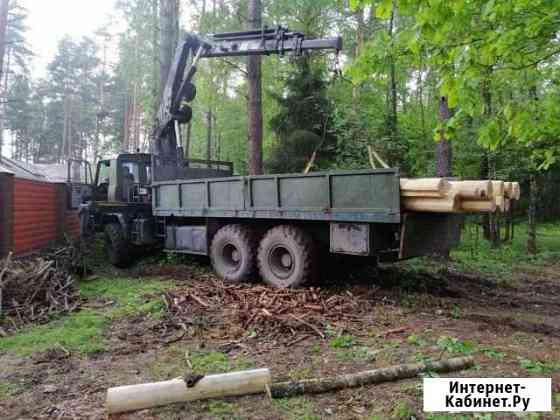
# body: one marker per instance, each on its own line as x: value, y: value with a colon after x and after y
x: 343, y: 196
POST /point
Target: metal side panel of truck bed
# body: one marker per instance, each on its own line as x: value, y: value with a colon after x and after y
x: 347, y: 196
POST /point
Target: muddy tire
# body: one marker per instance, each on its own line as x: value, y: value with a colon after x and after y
x: 287, y: 257
x: 118, y: 248
x: 233, y: 253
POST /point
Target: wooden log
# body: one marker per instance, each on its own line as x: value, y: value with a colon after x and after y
x: 449, y: 204
x: 320, y: 385
x: 508, y: 189
x: 425, y: 194
x: 472, y: 190
x: 500, y: 202
x: 478, y: 206
x: 516, y: 191
x: 498, y: 188
x: 440, y: 185
x: 138, y: 397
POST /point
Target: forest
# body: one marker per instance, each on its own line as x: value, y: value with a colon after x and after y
x: 466, y: 89
x: 109, y: 307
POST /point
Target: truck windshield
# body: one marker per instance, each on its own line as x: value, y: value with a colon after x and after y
x: 103, y: 170
x: 140, y: 172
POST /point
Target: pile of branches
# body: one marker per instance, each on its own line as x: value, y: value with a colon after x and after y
x: 34, y: 289
x: 275, y: 313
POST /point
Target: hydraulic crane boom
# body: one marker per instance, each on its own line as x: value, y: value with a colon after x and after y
x: 179, y: 89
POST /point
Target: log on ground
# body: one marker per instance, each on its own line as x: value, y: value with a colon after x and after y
x: 321, y: 385
x: 138, y: 397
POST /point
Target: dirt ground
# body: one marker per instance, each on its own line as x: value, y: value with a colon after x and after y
x: 511, y: 327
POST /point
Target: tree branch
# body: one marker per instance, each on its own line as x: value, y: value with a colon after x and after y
x: 236, y: 66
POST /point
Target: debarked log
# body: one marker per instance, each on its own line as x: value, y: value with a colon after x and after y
x: 439, y: 185
x: 478, y: 206
x: 475, y: 190
x: 320, y: 385
x: 449, y: 204
x: 138, y: 397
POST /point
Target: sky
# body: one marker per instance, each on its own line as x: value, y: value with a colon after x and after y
x: 50, y: 20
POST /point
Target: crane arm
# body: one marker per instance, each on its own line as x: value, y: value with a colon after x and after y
x: 179, y: 89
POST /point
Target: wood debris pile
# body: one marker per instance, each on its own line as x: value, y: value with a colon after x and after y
x: 442, y: 196
x: 267, y: 311
x: 35, y: 288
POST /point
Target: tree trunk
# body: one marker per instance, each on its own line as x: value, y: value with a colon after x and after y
x: 420, y: 99
x: 444, y: 150
x: 4, y: 8
x: 254, y: 76
x: 490, y: 221
x: 187, y: 146
x: 66, y: 148
x: 532, y: 224
x: 169, y: 37
x: 209, y: 135
x: 393, y: 118
x: 155, y: 59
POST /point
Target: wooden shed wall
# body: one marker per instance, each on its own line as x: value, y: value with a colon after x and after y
x: 39, y: 216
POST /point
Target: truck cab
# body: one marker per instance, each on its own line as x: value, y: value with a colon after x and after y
x: 121, y: 205
x: 125, y: 179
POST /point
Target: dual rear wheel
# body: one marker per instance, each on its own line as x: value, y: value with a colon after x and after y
x: 284, y: 257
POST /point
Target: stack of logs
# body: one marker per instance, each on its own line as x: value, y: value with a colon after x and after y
x: 439, y: 195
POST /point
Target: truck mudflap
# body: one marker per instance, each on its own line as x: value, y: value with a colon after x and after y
x: 429, y: 233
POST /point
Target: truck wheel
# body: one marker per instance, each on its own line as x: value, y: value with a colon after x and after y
x: 287, y: 257
x: 117, y: 246
x: 233, y: 253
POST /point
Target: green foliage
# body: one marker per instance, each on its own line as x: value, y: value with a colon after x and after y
x: 216, y: 362
x: 474, y: 254
x: 78, y: 332
x: 539, y: 367
x: 83, y: 331
x: 302, y: 119
x: 493, y: 353
x: 132, y: 296
x: 342, y: 342
x: 221, y: 409
x: 416, y: 340
x: 404, y: 410
x: 298, y: 408
x: 7, y: 390
x: 454, y: 345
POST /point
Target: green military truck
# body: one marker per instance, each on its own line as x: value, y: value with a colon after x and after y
x: 280, y: 227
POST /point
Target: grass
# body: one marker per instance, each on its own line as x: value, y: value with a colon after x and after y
x: 83, y: 331
x: 454, y: 345
x: 538, y: 367
x: 298, y: 408
x: 477, y: 254
x: 7, y: 390
x: 80, y: 332
x: 173, y: 362
x: 342, y: 342
x: 403, y: 410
